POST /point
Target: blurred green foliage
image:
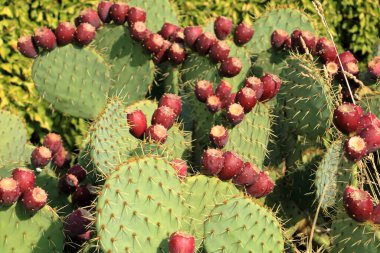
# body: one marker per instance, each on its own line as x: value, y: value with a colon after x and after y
x: 355, y: 25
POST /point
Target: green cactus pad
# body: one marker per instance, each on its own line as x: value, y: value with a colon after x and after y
x: 371, y: 103
x: 202, y: 194
x: 23, y: 231
x: 285, y: 19
x: 74, y: 80
x: 270, y: 61
x: 241, y: 225
x: 132, y: 70
x: 6, y: 167
x: 139, y: 207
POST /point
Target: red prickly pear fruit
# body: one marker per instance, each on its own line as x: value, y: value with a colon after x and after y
x: 164, y: 116
x: 157, y: 133
x: 351, y: 67
x: 104, y: 11
x: 41, y: 156
x: 358, y: 203
x: 85, y: 236
x: 346, y: 57
x: 279, y: 38
x: 88, y: 16
x: 139, y: 32
x: 176, y: 53
x: 233, y: 165
x: 243, y: 33
x: 296, y: 43
x: 26, y: 46
x: 64, y: 33
x: 85, y: 34
x: 173, y: 101
x: 367, y: 120
x: 310, y: 41
x: 53, y: 142
x: 255, y: 84
x: 271, y: 84
x: 25, y: 178
x: 262, y: 185
x: 180, y: 167
x: 222, y: 27
x: 9, y: 191
x: 246, y: 97
x: 68, y: 183
x: 219, y: 136
x: 45, y: 38
x: 229, y: 100
x: 230, y: 67
x: 204, y: 43
x: 34, y: 199
x: 137, y: 123
x: 78, y: 171
x: 308, y: 38
x: 223, y: 90
x: 326, y: 50
x: 355, y: 148
x: 235, y: 113
x: 84, y: 195
x: 178, y: 36
x: 374, y: 67
x: 212, y: 161
x: 167, y: 30
x: 119, y: 13
x: 371, y: 135
x: 213, y: 104
x: 154, y: 42
x: 332, y: 68
x: 203, y: 89
x: 77, y: 222
x: 136, y: 14
x: 61, y: 158
x: 375, y: 218
x: 347, y: 117
x: 180, y: 242
x: 247, y: 175
x: 219, y: 51
x: 162, y: 54
x: 192, y: 34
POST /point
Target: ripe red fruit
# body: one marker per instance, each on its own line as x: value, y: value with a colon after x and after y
x: 235, y: 113
x: 85, y: 34
x: 203, y: 89
x: 279, y: 38
x: 219, y: 136
x: 136, y: 14
x: 230, y: 67
x: 157, y: 133
x: 243, y: 34
x: 326, y: 50
x: 167, y: 30
x: 77, y: 222
x: 246, y: 97
x: 332, y: 68
x: 222, y: 27
x: 178, y: 36
x: 192, y: 33
x: 173, y: 101
x: 229, y: 100
x: 176, y: 53
x: 78, y: 171
x: 219, y: 51
x: 351, y: 67
x: 213, y: 104
x: 53, y: 142
x: 212, y: 161
x: 347, y: 117
x: 308, y: 38
x: 355, y: 148
x: 68, y: 183
x: 255, y: 84
x: 375, y: 218
x: 247, y: 175
x: 374, y: 67
x: 180, y: 242
x: 9, y: 191
x: 358, y: 203
x: 262, y: 186
x: 233, y: 165
x: 25, y: 178
x: 271, y: 84
x: 180, y: 167
x: 104, y: 11
x: 162, y: 54
x: 88, y: 16
x: 367, y: 120
x: 41, y: 156
x: 139, y: 32
x: 119, y: 12
x: 45, y: 38
x: 371, y: 135
x: 223, y: 90
x: 64, y: 33
x: 84, y: 195
x: 34, y: 199
x: 346, y: 57
x: 26, y: 46
x: 154, y: 42
x: 204, y: 42
x: 61, y: 158
x: 137, y: 123
x: 164, y: 116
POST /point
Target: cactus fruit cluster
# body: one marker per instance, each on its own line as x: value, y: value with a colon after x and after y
x: 219, y: 137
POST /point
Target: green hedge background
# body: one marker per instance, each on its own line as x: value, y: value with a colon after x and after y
x: 355, y: 25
